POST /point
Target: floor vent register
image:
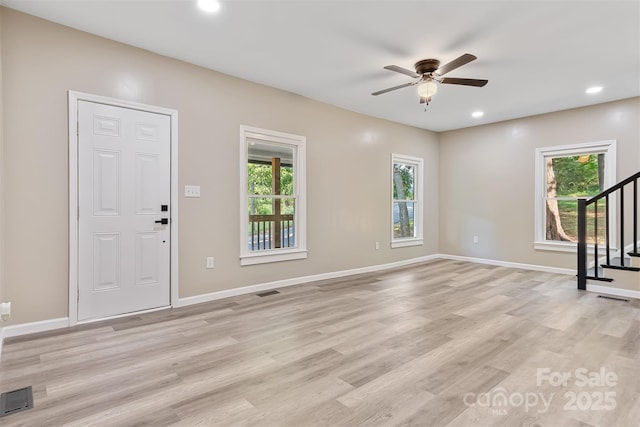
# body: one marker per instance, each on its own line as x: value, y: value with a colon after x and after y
x: 16, y: 401
x: 266, y: 294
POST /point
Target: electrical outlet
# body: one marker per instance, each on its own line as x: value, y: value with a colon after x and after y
x: 5, y: 311
x: 476, y: 240
x: 191, y: 191
x: 209, y: 262
x: 377, y: 246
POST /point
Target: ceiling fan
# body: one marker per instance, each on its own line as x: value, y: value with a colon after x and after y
x: 429, y: 73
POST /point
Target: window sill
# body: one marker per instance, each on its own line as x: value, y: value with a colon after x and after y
x: 569, y: 247
x: 406, y: 242
x: 272, y: 256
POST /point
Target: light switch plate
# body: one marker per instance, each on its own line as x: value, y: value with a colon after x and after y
x: 191, y: 191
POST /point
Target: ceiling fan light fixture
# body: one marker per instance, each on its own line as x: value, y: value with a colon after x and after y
x: 427, y: 89
x: 209, y: 6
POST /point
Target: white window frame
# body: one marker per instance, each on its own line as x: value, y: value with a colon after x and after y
x: 300, y: 214
x: 608, y: 148
x: 418, y: 164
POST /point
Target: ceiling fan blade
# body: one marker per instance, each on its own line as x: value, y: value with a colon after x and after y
x: 380, y: 92
x: 458, y: 62
x: 465, y: 82
x: 401, y: 70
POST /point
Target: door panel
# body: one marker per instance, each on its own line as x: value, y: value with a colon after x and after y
x: 147, y: 132
x: 147, y: 171
x: 146, y: 258
x: 123, y: 179
x: 109, y: 126
x: 106, y: 261
x: 106, y: 186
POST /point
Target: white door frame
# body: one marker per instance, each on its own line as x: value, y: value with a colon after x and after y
x: 74, y: 98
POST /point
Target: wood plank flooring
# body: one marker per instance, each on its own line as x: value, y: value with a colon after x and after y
x: 443, y: 343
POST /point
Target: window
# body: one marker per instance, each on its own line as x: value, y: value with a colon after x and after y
x: 406, y: 201
x: 563, y: 175
x: 273, y: 203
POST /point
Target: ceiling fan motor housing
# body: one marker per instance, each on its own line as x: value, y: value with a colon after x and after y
x: 427, y: 66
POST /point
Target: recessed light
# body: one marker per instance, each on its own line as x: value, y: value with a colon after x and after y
x: 209, y: 6
x: 477, y: 114
x: 594, y: 89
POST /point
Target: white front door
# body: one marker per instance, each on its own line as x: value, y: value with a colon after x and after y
x: 123, y: 196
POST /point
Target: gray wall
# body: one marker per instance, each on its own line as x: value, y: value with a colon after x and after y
x: 348, y: 164
x: 487, y: 177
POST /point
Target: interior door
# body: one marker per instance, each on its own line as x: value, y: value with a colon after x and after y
x: 123, y: 218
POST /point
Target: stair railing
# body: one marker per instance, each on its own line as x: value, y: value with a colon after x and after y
x: 583, y: 204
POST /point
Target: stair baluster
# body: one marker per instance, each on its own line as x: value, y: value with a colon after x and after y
x: 583, y: 205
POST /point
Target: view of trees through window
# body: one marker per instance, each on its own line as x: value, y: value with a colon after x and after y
x: 568, y: 179
x: 273, y: 219
x: 260, y: 181
x: 271, y: 204
x: 403, y: 200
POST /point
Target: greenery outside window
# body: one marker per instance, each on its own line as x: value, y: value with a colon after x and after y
x: 406, y: 201
x: 273, y: 207
x: 563, y: 175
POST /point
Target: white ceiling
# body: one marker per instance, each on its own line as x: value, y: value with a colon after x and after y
x: 539, y: 56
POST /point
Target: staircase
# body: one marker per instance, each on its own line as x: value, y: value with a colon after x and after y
x: 616, y: 272
x: 618, y: 275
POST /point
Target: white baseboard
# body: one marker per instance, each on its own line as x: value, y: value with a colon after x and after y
x: 626, y: 293
x: 33, y: 327
x: 534, y: 267
x: 183, y: 302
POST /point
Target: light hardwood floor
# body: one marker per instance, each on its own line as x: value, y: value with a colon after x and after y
x: 430, y: 345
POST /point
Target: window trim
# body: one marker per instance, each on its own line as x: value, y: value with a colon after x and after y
x: 608, y: 148
x: 300, y: 215
x: 418, y: 162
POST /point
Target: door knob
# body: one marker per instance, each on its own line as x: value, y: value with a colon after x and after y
x: 163, y: 221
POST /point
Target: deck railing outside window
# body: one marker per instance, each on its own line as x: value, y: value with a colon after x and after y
x: 266, y: 233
